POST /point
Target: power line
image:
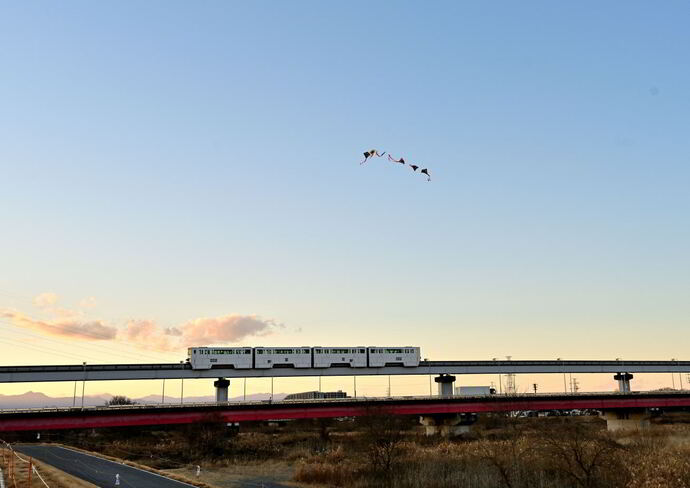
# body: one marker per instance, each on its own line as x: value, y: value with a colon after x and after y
x: 101, y: 348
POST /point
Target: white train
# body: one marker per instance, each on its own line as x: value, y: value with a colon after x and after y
x: 302, y: 357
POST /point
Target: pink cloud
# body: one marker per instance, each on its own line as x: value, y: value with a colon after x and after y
x: 65, y: 327
x: 146, y: 333
x: 228, y: 328
x: 142, y: 333
x: 201, y: 331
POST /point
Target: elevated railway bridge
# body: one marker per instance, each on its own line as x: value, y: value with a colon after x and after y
x: 444, y: 371
x: 436, y: 413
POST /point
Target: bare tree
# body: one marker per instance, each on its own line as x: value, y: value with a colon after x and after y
x: 382, y: 434
x: 511, y: 456
x: 588, y: 457
x: 120, y: 400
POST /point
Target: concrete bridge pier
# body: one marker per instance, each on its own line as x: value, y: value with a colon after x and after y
x: 448, y: 424
x: 222, y: 386
x: 445, y: 385
x: 626, y: 419
x: 623, y: 381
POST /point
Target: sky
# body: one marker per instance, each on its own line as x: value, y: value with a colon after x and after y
x: 177, y: 173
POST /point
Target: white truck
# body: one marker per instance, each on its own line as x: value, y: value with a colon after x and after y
x: 474, y: 391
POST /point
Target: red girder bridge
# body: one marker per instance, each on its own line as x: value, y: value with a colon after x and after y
x: 620, y: 409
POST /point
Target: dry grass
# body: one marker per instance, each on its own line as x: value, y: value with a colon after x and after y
x: 244, y: 475
x: 551, y: 455
x: 500, y: 452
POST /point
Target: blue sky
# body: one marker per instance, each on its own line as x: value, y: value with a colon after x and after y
x: 179, y: 160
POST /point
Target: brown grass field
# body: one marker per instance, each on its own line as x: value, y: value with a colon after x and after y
x: 552, y: 452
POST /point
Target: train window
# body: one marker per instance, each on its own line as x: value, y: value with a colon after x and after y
x: 361, y: 350
x: 259, y: 351
x: 306, y: 351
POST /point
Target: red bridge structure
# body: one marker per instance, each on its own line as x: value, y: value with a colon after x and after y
x: 439, y: 415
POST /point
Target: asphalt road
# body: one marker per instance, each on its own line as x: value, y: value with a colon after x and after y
x: 98, y: 471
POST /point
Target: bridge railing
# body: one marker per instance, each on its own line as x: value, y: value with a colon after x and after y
x: 348, y: 400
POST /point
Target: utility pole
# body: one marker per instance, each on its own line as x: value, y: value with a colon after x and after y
x: 534, y: 385
x: 389, y: 386
x: 182, y: 385
x: 355, y: 381
x: 245, y: 389
x: 500, y: 386
x: 163, y: 394
x: 83, y: 387
x: 673, y: 377
x: 565, y: 387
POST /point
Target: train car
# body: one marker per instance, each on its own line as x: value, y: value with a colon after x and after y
x: 325, y: 357
x: 282, y: 357
x: 208, y: 357
x: 407, y: 356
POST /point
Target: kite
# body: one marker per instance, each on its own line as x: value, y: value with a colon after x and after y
x: 370, y: 154
x: 401, y: 160
x: 373, y: 152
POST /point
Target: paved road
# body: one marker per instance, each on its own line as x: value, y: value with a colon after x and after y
x: 98, y: 471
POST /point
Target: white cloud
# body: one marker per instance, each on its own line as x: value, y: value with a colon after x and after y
x: 88, y: 302
x: 45, y: 300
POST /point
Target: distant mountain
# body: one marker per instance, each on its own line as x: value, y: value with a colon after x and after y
x: 33, y: 399
x: 255, y: 397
